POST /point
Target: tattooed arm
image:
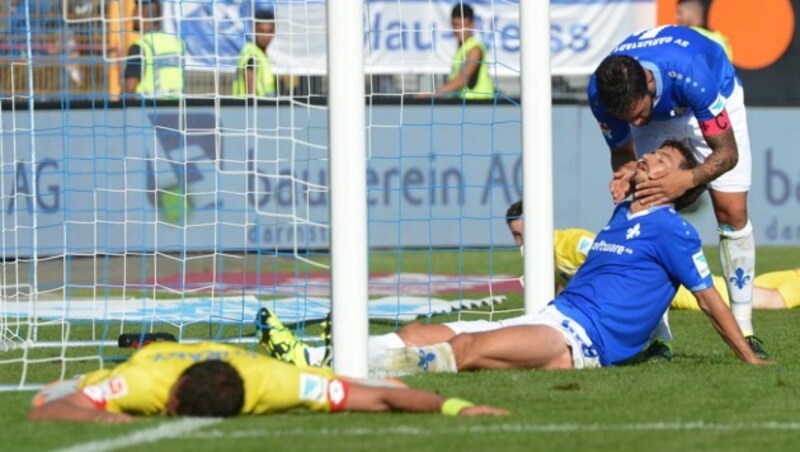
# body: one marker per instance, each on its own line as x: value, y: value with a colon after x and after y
x: 724, y: 156
x: 670, y: 185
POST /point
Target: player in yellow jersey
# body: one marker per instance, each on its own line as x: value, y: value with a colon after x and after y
x: 211, y: 379
x: 571, y: 246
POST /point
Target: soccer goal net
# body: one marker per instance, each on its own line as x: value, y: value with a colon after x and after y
x: 169, y: 202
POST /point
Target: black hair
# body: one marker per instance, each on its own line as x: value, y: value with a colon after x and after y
x: 704, y: 7
x: 210, y: 389
x: 621, y: 82
x: 689, y: 162
x: 514, y: 212
x: 702, y: 3
x: 265, y: 15
x: 462, y: 11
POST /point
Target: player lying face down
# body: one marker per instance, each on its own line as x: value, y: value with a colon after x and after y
x: 217, y: 380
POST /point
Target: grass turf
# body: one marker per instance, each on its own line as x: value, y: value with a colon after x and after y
x: 704, y: 399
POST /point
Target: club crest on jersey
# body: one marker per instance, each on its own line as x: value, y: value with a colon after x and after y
x: 633, y: 232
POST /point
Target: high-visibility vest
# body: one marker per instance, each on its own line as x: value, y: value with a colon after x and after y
x: 484, y: 86
x: 264, y: 80
x: 162, y: 68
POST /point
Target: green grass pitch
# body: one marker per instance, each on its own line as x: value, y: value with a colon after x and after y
x: 703, y: 400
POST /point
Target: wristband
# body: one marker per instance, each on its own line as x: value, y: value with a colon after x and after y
x: 451, y: 407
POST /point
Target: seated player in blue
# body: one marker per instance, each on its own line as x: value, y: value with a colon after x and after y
x: 606, y: 314
x: 673, y: 82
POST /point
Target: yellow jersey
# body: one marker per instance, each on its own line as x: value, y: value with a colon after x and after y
x: 571, y: 246
x: 142, y: 384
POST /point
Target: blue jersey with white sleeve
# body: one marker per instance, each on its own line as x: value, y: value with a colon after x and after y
x: 692, y: 74
x: 633, y: 270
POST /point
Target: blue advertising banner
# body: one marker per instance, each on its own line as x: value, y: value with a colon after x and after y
x: 133, y: 179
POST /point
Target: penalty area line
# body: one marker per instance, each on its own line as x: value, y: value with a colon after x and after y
x: 497, y: 428
x: 166, y: 430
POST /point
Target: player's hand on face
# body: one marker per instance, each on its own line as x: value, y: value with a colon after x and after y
x: 620, y: 185
x: 664, y: 186
x: 482, y: 410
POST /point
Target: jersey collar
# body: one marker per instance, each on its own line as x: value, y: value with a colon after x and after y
x: 648, y: 211
x: 657, y: 77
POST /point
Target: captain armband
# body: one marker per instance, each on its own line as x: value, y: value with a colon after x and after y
x: 715, y: 126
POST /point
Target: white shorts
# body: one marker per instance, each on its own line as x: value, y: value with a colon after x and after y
x: 685, y: 128
x: 584, y: 355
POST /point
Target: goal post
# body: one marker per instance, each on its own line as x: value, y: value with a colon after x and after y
x: 348, y: 186
x: 537, y: 152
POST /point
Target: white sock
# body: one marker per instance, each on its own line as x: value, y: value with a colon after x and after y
x: 662, y: 330
x: 438, y: 357
x: 410, y: 360
x: 376, y: 345
x: 737, y: 254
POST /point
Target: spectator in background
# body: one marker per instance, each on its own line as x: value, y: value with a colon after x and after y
x: 469, y: 74
x: 694, y: 13
x: 253, y: 73
x: 154, y: 66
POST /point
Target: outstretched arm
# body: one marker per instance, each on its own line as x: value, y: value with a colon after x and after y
x: 721, y: 318
x: 367, y: 398
x: 75, y: 407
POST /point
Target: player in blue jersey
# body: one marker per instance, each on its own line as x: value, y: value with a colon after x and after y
x: 606, y: 314
x: 673, y: 82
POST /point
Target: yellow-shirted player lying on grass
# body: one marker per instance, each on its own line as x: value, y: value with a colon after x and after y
x: 773, y: 290
x: 217, y: 380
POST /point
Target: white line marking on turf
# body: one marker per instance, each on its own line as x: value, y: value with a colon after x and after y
x: 496, y: 428
x: 166, y: 430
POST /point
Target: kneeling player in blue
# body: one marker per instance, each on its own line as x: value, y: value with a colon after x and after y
x: 606, y: 314
x: 218, y: 380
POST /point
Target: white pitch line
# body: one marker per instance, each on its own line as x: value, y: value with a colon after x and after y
x: 166, y: 430
x: 494, y: 428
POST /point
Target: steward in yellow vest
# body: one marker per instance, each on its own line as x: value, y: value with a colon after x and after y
x: 469, y: 73
x: 154, y: 66
x: 253, y: 71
